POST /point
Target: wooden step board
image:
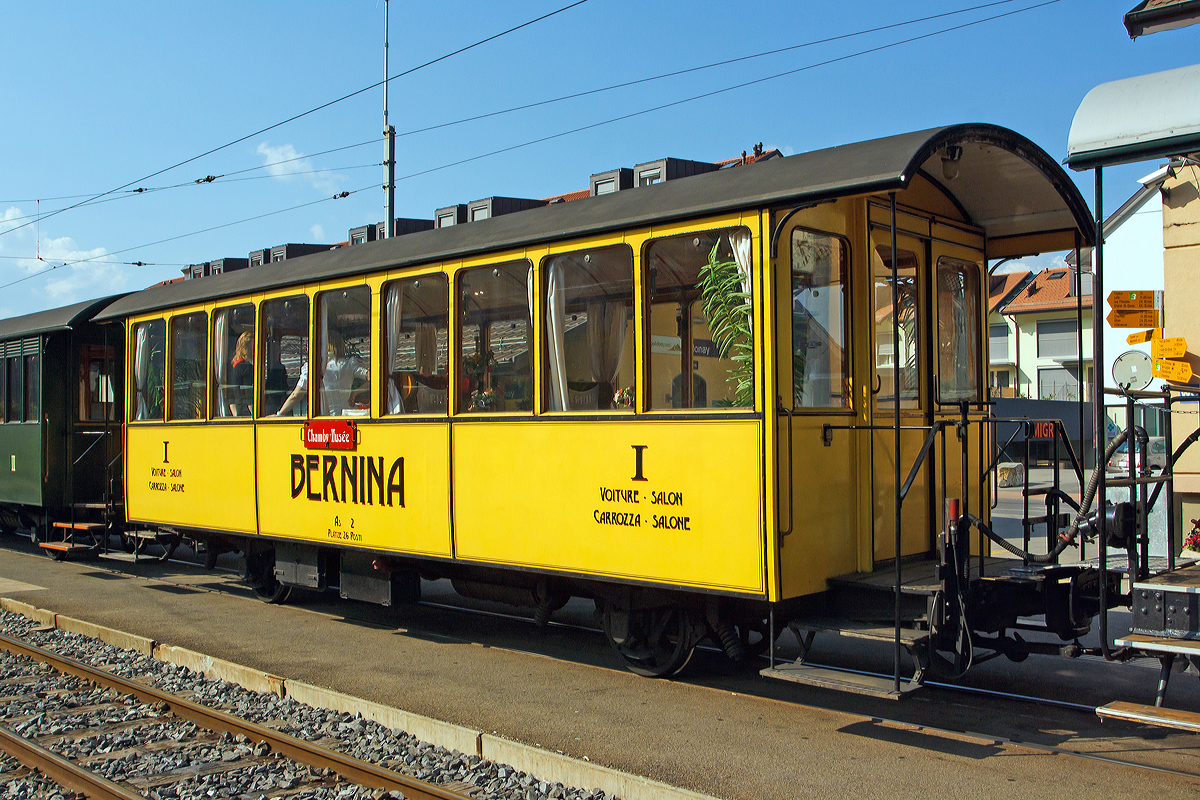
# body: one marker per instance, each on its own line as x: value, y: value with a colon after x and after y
x: 825, y: 678
x: 81, y: 526
x: 1158, y: 644
x: 1151, y: 715
x: 97, y: 506
x: 876, y: 631
x: 1184, y: 579
x: 66, y: 547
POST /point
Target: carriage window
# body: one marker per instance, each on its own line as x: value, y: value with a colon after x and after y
x: 95, y: 383
x: 284, y: 354
x: 149, y: 369
x: 496, y: 338
x: 701, y: 320
x: 958, y: 330
x: 189, y: 363
x: 820, y: 363
x: 33, y: 387
x: 233, y: 361
x: 589, y: 313
x: 417, y: 360
x: 344, y: 337
x: 885, y: 353
x: 16, y: 392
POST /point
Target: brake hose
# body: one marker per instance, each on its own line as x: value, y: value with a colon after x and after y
x: 1067, y: 537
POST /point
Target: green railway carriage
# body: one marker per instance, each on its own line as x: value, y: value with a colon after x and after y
x: 60, y: 422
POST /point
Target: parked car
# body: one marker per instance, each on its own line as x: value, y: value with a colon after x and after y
x: 1158, y: 456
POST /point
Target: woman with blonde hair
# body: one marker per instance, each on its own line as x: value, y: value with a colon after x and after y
x: 241, y: 376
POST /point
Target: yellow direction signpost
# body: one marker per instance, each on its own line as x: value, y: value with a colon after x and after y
x: 1135, y: 309
x: 1173, y: 371
x: 1144, y: 336
x: 1168, y: 348
x: 1139, y: 300
x: 1134, y: 318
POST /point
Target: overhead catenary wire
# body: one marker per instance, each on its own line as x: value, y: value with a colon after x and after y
x: 727, y: 89
x: 321, y: 107
x: 550, y: 101
x: 612, y: 120
x: 101, y: 258
x: 700, y: 68
x: 208, y: 179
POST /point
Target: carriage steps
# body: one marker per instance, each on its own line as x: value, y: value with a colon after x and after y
x: 913, y: 641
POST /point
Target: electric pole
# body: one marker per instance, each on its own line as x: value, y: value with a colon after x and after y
x: 389, y: 133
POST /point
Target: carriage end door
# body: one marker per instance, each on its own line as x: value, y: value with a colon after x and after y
x: 900, y: 385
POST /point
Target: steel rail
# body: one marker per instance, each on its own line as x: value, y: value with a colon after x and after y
x: 63, y: 771
x: 352, y: 769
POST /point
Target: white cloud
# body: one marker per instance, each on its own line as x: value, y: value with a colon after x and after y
x: 287, y: 163
x: 66, y: 282
x: 318, y: 233
x: 1034, y: 263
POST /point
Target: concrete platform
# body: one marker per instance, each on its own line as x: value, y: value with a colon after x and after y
x: 717, y: 731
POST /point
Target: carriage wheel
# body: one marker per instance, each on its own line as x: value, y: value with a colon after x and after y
x: 274, y: 593
x: 260, y: 572
x: 656, y: 643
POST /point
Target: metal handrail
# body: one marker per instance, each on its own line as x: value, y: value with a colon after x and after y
x: 934, y: 429
x: 99, y: 438
x: 789, y: 413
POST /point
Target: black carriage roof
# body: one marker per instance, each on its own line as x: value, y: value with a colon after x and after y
x: 54, y: 319
x: 1006, y: 185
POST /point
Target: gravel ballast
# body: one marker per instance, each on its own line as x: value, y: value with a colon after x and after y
x: 352, y: 735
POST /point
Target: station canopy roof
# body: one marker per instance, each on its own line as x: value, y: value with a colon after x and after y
x: 999, y: 180
x: 1154, y: 16
x: 54, y: 319
x: 1137, y: 119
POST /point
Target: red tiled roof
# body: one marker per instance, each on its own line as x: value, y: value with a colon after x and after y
x: 745, y: 158
x: 1002, y: 285
x: 1049, y: 291
x: 569, y: 196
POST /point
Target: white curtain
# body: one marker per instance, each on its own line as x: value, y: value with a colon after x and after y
x: 221, y: 360
x: 427, y: 346
x: 142, y: 367
x: 556, y: 301
x: 606, y: 340
x: 322, y: 358
x: 739, y: 241
x: 395, y: 300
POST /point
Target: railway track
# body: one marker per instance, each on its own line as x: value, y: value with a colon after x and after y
x: 112, y: 738
x: 887, y: 719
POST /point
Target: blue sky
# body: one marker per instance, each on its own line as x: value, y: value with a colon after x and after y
x: 101, y: 95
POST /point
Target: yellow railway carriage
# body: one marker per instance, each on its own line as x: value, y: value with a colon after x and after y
x: 690, y: 401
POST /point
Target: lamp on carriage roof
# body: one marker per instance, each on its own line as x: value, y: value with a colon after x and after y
x: 951, y: 154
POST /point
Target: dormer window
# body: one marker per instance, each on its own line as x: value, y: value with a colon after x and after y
x: 649, y: 177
